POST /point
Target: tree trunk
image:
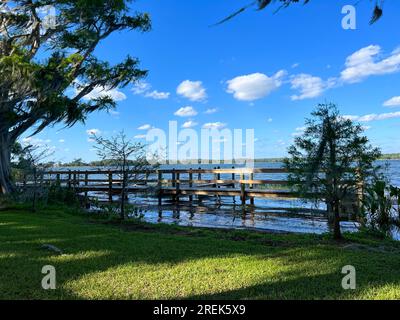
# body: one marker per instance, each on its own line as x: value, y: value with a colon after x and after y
x: 122, y: 208
x: 34, y: 190
x: 330, y: 212
x: 6, y: 185
x: 337, y: 234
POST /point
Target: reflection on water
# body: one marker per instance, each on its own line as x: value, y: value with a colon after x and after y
x: 268, y: 214
x: 268, y: 221
x: 272, y: 215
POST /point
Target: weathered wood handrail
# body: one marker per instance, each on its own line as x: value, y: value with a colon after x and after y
x: 170, y: 171
x: 232, y: 182
x: 173, y: 181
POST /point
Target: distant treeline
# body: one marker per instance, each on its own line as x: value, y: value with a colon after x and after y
x: 81, y: 163
x: 107, y: 163
x: 391, y: 156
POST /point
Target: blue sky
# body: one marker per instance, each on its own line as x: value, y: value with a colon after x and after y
x: 260, y: 70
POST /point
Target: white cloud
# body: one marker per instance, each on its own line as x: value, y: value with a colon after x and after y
x: 114, y: 113
x: 373, y: 117
x: 298, y: 131
x: 157, y: 95
x: 393, y: 102
x: 192, y: 90
x: 140, y: 136
x: 211, y: 111
x: 367, y: 62
x: 186, y: 112
x: 309, y: 86
x: 269, y: 120
x: 189, y: 124
x: 92, y: 132
x: 143, y: 88
x: 281, y: 142
x: 254, y: 86
x: 101, y: 92
x: 145, y: 127
x: 37, y: 142
x: 61, y: 141
x: 214, y: 125
x: 295, y: 65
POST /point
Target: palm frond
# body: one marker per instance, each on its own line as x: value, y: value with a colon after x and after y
x: 378, y: 12
x: 234, y: 14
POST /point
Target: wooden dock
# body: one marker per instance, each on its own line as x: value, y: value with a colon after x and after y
x: 177, y: 183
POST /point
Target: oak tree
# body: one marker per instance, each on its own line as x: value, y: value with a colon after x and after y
x: 48, y: 65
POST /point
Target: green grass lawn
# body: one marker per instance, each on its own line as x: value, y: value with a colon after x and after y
x: 140, y: 261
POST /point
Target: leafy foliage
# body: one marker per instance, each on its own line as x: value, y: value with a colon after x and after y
x: 31, y: 163
x: 331, y: 160
x: 51, y: 69
x: 262, y: 4
x: 381, y: 206
x: 127, y: 157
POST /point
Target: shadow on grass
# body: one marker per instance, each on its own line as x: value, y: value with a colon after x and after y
x: 308, y: 272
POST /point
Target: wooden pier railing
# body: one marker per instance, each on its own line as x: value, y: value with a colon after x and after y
x: 244, y: 183
x: 176, y: 183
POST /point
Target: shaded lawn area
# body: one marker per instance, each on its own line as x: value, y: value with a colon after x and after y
x: 141, y: 261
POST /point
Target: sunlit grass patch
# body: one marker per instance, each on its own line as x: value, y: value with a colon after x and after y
x: 101, y: 261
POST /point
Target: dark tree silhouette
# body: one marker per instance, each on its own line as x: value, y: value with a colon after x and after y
x: 262, y: 4
x: 48, y: 65
x: 330, y: 159
x: 127, y: 157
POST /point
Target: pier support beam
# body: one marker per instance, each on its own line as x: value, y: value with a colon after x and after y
x: 159, y: 185
x: 191, y: 185
x: 242, y: 190
x: 252, y: 187
x: 110, y: 186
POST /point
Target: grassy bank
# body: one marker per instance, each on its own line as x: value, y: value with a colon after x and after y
x: 140, y: 261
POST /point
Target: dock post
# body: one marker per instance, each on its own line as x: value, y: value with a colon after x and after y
x: 191, y: 184
x: 233, y: 184
x: 110, y: 186
x: 242, y: 190
x: 74, y: 181
x: 58, y: 180
x: 173, y: 183
x: 217, y: 185
x: 199, y: 178
x: 69, y: 179
x: 252, y: 187
x: 86, y: 184
x: 159, y: 187
x: 177, y: 186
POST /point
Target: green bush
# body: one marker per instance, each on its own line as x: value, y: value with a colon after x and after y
x: 379, y: 208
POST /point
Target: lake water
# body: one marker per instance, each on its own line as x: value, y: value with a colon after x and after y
x: 268, y: 214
